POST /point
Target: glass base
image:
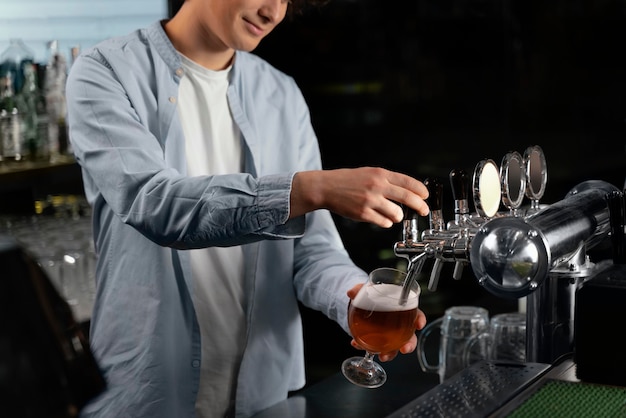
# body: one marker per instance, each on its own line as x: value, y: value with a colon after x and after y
x: 363, y: 372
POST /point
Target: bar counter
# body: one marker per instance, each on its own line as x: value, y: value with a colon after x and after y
x: 495, y: 389
x: 337, y: 397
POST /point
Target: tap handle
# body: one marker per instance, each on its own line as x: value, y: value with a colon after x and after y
x: 459, y: 180
x: 409, y: 213
x: 410, y: 231
x: 435, y: 199
x: 435, y: 193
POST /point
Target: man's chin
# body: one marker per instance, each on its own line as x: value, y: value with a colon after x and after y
x: 249, y: 46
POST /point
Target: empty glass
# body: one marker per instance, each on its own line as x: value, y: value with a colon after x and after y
x: 504, y: 341
x: 457, y: 326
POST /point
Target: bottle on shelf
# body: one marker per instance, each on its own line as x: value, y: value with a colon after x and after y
x: 32, y: 106
x: 15, y: 65
x: 10, y: 121
x: 54, y: 90
x: 14, y: 59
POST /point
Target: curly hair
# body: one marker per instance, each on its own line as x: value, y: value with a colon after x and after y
x: 295, y: 7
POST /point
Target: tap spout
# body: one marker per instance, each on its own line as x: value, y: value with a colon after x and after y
x: 413, y: 270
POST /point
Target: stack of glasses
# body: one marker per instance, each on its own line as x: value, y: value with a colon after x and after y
x: 59, y: 238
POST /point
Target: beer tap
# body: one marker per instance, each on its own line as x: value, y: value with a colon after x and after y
x: 449, y: 242
x: 458, y: 245
x: 436, y: 236
x: 410, y: 239
x: 538, y: 253
x: 411, y: 248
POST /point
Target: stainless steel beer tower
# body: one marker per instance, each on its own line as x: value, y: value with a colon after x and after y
x: 539, y: 253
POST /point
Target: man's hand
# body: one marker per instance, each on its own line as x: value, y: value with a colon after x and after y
x: 366, y: 194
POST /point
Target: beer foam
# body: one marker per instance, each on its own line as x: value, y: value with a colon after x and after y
x: 384, y: 298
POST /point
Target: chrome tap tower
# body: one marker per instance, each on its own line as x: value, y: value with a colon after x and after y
x: 539, y: 252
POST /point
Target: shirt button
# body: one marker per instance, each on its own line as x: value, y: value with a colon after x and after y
x: 195, y: 364
x: 172, y: 99
x: 179, y: 72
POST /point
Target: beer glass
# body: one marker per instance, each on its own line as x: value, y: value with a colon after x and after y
x: 381, y: 318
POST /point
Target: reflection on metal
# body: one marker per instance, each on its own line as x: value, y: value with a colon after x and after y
x: 513, y: 181
x: 477, y: 391
x: 536, y: 175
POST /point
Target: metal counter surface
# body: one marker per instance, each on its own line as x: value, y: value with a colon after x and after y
x: 336, y: 397
x: 485, y: 389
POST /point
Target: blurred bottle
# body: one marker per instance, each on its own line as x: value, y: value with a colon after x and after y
x: 56, y: 75
x: 32, y: 107
x: 14, y: 59
x: 10, y: 121
x: 74, y: 53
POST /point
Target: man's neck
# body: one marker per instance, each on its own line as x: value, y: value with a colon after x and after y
x: 196, y: 44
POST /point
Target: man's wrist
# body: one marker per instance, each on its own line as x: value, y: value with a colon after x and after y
x: 306, y: 195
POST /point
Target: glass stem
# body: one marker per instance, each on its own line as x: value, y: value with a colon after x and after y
x: 367, y: 363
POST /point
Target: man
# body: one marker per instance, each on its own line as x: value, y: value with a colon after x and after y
x: 211, y: 214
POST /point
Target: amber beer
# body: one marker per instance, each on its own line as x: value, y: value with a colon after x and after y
x: 378, y: 322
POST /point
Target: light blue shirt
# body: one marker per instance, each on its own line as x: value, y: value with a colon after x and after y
x: 128, y: 139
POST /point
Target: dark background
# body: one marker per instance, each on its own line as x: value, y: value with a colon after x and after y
x: 428, y: 86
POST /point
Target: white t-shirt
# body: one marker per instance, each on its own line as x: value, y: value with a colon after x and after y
x: 213, y: 146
